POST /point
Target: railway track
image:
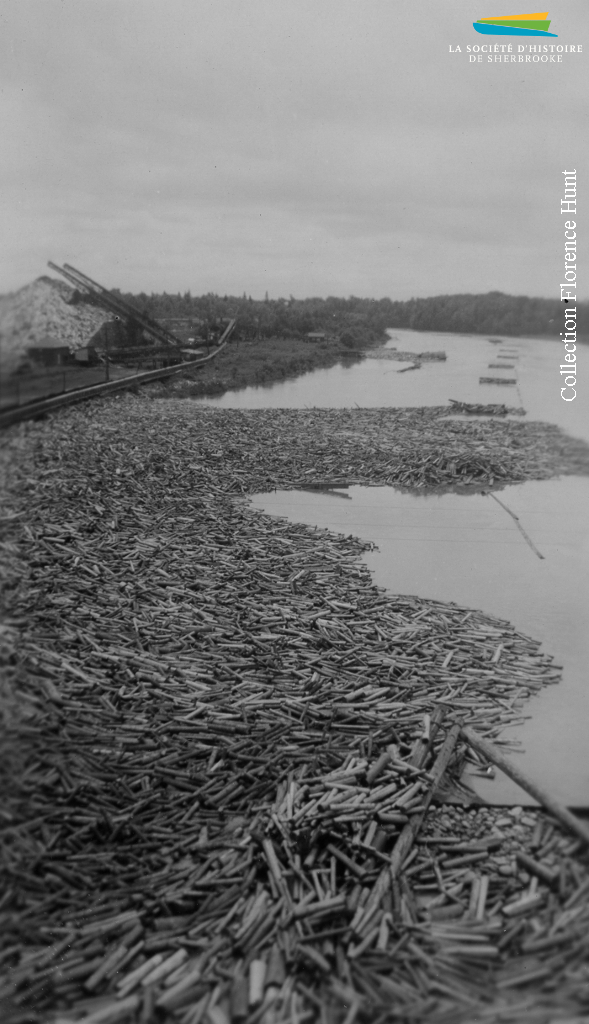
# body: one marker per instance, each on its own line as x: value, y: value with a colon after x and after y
x: 31, y: 410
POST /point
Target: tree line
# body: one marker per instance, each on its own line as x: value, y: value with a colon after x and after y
x: 354, y: 319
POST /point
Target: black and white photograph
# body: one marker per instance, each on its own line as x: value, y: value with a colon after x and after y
x: 294, y: 494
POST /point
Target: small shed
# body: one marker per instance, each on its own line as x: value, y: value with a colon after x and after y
x: 86, y: 356
x: 49, y: 355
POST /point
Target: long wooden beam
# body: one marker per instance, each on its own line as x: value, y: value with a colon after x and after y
x: 543, y: 796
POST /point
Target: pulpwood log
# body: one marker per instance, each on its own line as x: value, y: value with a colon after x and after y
x: 405, y: 840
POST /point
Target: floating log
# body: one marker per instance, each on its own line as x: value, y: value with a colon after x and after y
x: 496, y: 756
x: 516, y: 519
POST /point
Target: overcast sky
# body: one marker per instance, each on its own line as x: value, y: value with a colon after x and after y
x: 305, y: 147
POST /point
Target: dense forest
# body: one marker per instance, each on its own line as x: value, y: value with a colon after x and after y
x: 353, y: 319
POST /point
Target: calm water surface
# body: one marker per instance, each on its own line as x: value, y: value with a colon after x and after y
x: 467, y: 549
x: 376, y: 383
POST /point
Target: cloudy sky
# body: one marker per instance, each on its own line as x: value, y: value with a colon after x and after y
x: 305, y: 147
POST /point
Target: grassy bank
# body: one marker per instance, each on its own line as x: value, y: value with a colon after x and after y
x: 195, y: 701
x: 265, y: 361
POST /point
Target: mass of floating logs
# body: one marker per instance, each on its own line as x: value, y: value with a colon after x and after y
x: 225, y: 749
x: 497, y: 380
x: 478, y: 409
x: 395, y: 354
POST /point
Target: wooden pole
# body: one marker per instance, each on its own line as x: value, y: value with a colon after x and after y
x: 407, y: 837
x: 496, y: 756
x: 419, y: 757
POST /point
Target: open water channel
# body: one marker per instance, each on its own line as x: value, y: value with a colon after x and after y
x: 467, y: 548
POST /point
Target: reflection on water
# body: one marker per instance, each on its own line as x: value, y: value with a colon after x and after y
x: 467, y: 549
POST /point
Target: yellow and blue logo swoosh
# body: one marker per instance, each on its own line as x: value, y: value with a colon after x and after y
x: 515, y: 25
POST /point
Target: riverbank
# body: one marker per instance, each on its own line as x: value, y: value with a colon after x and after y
x: 194, y: 682
x: 260, y: 362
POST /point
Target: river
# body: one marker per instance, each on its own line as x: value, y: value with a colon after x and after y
x: 467, y: 548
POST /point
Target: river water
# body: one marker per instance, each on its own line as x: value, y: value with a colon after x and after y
x: 467, y: 548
